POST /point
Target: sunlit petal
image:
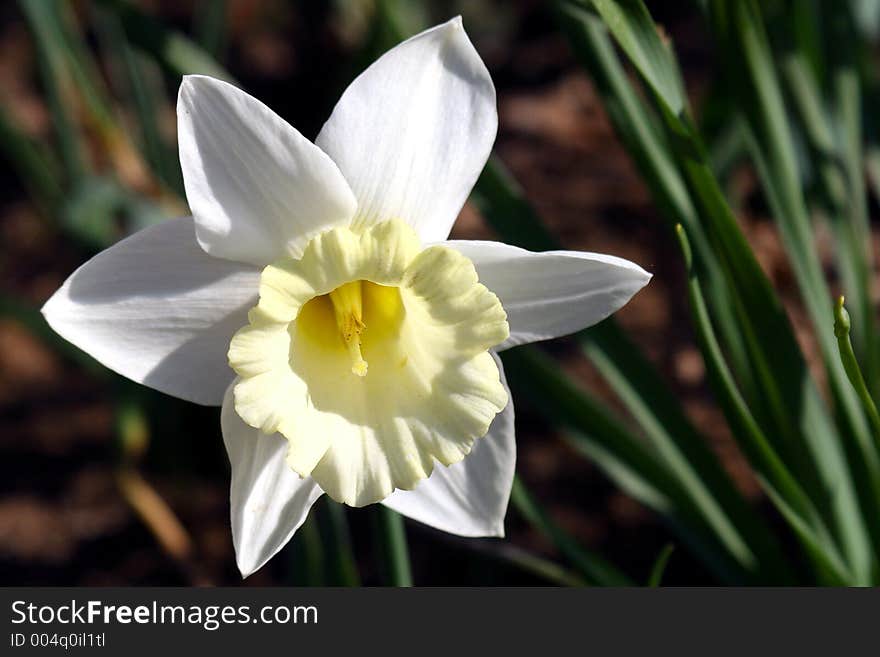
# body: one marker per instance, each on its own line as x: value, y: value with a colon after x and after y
x: 412, y: 132
x: 547, y: 295
x: 258, y: 189
x: 157, y: 309
x: 268, y: 501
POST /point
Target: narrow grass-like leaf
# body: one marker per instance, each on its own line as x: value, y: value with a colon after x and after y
x: 763, y: 320
x: 635, y: 31
x: 867, y: 16
x: 842, y: 325
x: 749, y: 434
x: 34, y: 164
x: 832, y: 569
x: 833, y: 132
x: 392, y: 547
x: 56, y: 85
x: 305, y: 555
x: 341, y: 565
x: 631, y: 463
x: 177, y: 54
x: 646, y: 143
x: 210, y: 26
x: 503, y: 204
x: 727, y: 149
x: 593, y: 567
x: 139, y: 80
x: 659, y: 567
x: 780, y: 372
x: 82, y: 68
x: 739, y: 29
x: 528, y: 562
x: 90, y: 210
x: 847, y: 114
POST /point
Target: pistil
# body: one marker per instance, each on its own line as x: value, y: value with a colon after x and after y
x: 348, y: 307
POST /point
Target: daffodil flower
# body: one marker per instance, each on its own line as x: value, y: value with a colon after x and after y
x: 362, y: 345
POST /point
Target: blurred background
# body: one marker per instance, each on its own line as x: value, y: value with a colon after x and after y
x: 103, y: 482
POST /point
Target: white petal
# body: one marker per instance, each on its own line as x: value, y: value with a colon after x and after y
x: 468, y: 498
x: 268, y: 501
x: 257, y: 188
x: 412, y: 132
x: 554, y: 293
x: 159, y: 310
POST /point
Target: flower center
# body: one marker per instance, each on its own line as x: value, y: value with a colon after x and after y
x: 371, y: 356
x: 357, y: 317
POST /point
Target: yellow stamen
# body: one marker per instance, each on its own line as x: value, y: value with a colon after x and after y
x: 348, y: 307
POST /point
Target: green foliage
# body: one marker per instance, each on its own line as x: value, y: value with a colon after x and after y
x: 818, y: 465
x: 659, y: 567
x: 798, y: 104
